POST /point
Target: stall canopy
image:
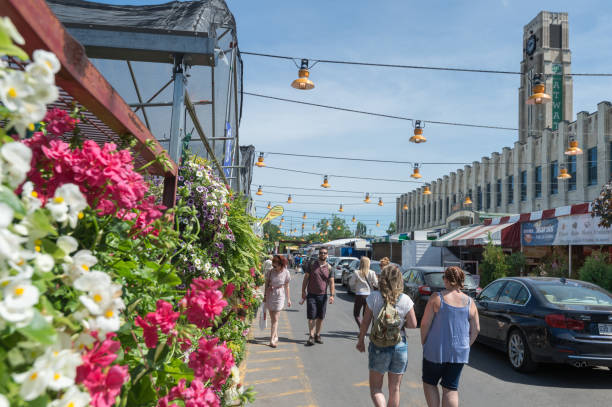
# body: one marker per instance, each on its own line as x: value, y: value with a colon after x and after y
x: 398, y: 237
x: 506, y: 235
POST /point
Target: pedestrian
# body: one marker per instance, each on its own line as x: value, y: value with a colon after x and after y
x: 448, y: 328
x: 276, y: 291
x: 390, y: 311
x: 317, y: 277
x: 363, y: 281
x: 384, y: 262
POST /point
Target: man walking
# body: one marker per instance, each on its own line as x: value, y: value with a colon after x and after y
x: 318, y: 276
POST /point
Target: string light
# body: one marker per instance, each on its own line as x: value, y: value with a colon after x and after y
x: 269, y: 205
x: 380, y: 202
x: 573, y: 148
x: 259, y: 191
x: 353, y: 219
x: 367, y: 198
x: 416, y: 174
x: 289, y: 199
x: 340, y: 209
x: 325, y: 183
x: 260, y: 160
x: 303, y: 82
x: 304, y: 216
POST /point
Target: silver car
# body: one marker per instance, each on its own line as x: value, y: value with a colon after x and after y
x: 340, y: 265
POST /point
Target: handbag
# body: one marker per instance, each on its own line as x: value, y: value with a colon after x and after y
x: 263, y: 322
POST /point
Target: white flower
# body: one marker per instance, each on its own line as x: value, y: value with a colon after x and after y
x: 63, y: 366
x: 44, y: 68
x: 199, y: 174
x: 31, y: 112
x: 232, y: 398
x: 7, y: 26
x: 78, y: 264
x: 68, y: 244
x: 84, y: 341
x: 103, y: 297
x: 73, y: 397
x: 34, y: 381
x: 67, y: 204
x: 235, y: 375
x: 30, y: 197
x: 44, y: 262
x: 6, y: 215
x: 17, y: 157
x: 19, y: 294
x: 14, y: 90
x: 4, y: 401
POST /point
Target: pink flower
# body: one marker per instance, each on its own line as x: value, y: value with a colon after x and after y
x: 211, y: 361
x: 149, y: 331
x: 59, y: 122
x: 204, y: 302
x: 197, y: 395
x: 164, y: 317
x: 229, y: 289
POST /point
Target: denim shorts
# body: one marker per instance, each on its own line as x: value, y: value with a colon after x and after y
x: 447, y: 373
x: 393, y: 359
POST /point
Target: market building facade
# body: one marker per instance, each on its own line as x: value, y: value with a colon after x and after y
x: 524, y: 178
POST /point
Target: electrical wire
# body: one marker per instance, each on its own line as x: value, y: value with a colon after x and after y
x: 343, y: 176
x: 327, y: 190
x: 434, y: 68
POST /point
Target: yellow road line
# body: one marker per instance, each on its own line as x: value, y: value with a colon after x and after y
x: 272, y: 351
x: 273, y: 359
x: 261, y: 369
x: 274, y: 380
x: 362, y: 384
x: 285, y: 394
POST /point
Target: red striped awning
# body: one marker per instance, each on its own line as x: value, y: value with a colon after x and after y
x: 545, y: 214
x: 506, y: 235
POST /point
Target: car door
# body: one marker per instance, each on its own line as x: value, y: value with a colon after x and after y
x: 503, y: 310
x: 484, y: 301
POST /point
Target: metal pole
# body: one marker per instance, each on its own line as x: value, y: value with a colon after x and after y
x: 570, y: 260
x: 178, y: 106
x: 144, y: 112
x: 235, y: 133
x: 213, y: 98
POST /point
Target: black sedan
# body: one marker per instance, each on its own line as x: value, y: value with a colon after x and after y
x: 548, y: 320
x: 421, y: 282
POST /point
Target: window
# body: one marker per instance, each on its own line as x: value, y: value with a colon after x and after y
x: 498, y: 193
x: 490, y: 293
x: 509, y: 292
x: 592, y: 166
x: 537, y: 182
x: 488, y: 196
x: 478, y: 198
x: 433, y: 210
x: 554, y: 182
x: 571, y: 170
x: 521, y: 297
x: 523, y: 185
x: 447, y: 207
x: 510, y: 195
x: 428, y: 212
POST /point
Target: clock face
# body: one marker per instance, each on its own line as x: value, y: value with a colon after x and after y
x: 531, y: 45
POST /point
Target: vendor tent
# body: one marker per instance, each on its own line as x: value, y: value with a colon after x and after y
x: 506, y: 235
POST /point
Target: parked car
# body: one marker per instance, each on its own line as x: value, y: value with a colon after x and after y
x: 339, y: 267
x: 347, y: 270
x: 333, y: 260
x: 375, y: 265
x: 548, y: 320
x: 421, y: 282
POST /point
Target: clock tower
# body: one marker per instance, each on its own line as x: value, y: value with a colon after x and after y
x: 545, y: 52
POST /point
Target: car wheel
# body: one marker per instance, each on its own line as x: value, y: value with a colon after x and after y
x: 519, y: 355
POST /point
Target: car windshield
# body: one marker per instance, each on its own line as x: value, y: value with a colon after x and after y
x: 375, y: 267
x: 345, y: 262
x: 574, y: 294
x: 437, y: 280
x: 332, y: 261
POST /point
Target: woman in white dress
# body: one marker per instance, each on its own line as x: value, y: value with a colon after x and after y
x: 276, y: 290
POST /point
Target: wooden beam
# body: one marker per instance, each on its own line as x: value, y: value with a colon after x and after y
x: 79, y: 77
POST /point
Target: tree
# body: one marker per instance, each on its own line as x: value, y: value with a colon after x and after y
x: 597, y: 270
x: 602, y: 205
x: 516, y: 262
x: 493, y: 265
x: 361, y: 229
x: 337, y: 229
x: 392, y: 228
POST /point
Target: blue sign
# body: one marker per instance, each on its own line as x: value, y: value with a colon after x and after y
x: 540, y: 233
x: 227, y: 157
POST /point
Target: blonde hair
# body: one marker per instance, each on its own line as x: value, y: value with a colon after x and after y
x: 391, y: 283
x: 364, y: 267
x: 384, y: 262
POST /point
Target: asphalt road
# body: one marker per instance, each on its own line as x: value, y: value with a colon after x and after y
x: 336, y: 374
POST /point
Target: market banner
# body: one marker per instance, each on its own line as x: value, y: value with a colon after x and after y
x: 557, y: 95
x: 275, y: 212
x: 575, y: 230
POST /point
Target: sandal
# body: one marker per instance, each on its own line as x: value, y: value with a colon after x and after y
x: 310, y: 341
x: 318, y: 339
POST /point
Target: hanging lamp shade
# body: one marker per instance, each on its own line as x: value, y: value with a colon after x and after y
x: 467, y: 201
x: 338, y: 227
x: 260, y: 161
x: 259, y: 191
x: 418, y: 133
x: 539, y: 95
x: 367, y: 198
x: 302, y: 82
x: 289, y: 199
x: 325, y: 183
x: 416, y: 174
x: 377, y: 224
x: 302, y: 225
x: 563, y: 174
x: 380, y: 202
x: 573, y: 148
x: 282, y: 219
x: 341, y: 209
x: 304, y: 215
x: 405, y: 207
x: 426, y: 191
x: 313, y: 227
x: 353, y: 220
x: 269, y: 205
x: 327, y: 223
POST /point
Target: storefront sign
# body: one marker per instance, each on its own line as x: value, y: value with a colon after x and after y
x: 557, y: 95
x: 575, y: 230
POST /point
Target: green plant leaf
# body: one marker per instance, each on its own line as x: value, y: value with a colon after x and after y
x: 40, y: 221
x: 39, y: 330
x: 13, y: 50
x: 8, y: 197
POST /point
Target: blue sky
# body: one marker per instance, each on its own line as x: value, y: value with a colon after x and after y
x: 469, y: 34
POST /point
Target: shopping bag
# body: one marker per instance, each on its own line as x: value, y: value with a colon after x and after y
x: 263, y: 322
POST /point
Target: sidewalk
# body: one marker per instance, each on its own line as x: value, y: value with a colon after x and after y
x: 277, y: 375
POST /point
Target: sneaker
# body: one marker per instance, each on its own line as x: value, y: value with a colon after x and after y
x: 317, y: 339
x: 310, y: 341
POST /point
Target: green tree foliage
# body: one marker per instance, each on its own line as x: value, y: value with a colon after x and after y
x: 597, y: 270
x: 516, y: 262
x: 493, y: 265
x: 391, y: 229
x: 337, y: 229
x: 602, y: 205
x: 361, y: 229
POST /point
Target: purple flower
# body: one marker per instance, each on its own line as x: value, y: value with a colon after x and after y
x: 211, y: 218
x: 200, y: 189
x: 180, y: 178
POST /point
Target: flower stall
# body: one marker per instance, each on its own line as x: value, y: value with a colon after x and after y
x: 107, y: 296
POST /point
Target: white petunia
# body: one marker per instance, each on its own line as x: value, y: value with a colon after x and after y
x: 84, y: 342
x: 30, y: 197
x: 20, y: 294
x: 44, y: 262
x: 17, y: 158
x: 34, y: 381
x: 7, y: 27
x: 73, y: 397
x: 14, y: 90
x: 63, y: 365
x: 80, y: 263
x: 67, y: 204
x: 4, y: 401
x: 47, y: 58
x: 68, y: 244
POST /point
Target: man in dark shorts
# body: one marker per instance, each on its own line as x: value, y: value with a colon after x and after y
x: 318, y: 275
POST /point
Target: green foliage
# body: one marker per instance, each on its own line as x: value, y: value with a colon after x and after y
x: 602, y: 205
x: 493, y: 265
x: 516, y: 262
x: 332, y: 230
x: 391, y: 229
x: 361, y: 230
x: 597, y: 270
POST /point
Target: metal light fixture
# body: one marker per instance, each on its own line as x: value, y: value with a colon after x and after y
x: 418, y: 133
x: 260, y: 161
x: 467, y: 201
x: 269, y: 205
x: 416, y: 174
x: 341, y: 209
x: 338, y: 227
x: 313, y: 227
x: 289, y: 200
x: 302, y: 82
x: 367, y: 198
x: 405, y: 207
x: 259, y: 191
x: 302, y: 225
x: 353, y: 220
x: 539, y: 95
x: 282, y: 219
x: 573, y: 148
x: 563, y: 174
x: 304, y: 215
x: 325, y: 183
x: 426, y: 190
x: 380, y: 202
x: 327, y: 224
x: 377, y: 224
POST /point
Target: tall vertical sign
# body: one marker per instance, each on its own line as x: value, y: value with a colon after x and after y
x: 557, y: 95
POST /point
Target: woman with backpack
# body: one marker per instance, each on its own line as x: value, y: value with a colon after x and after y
x: 449, y: 327
x: 276, y: 291
x: 363, y: 281
x: 390, y: 311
